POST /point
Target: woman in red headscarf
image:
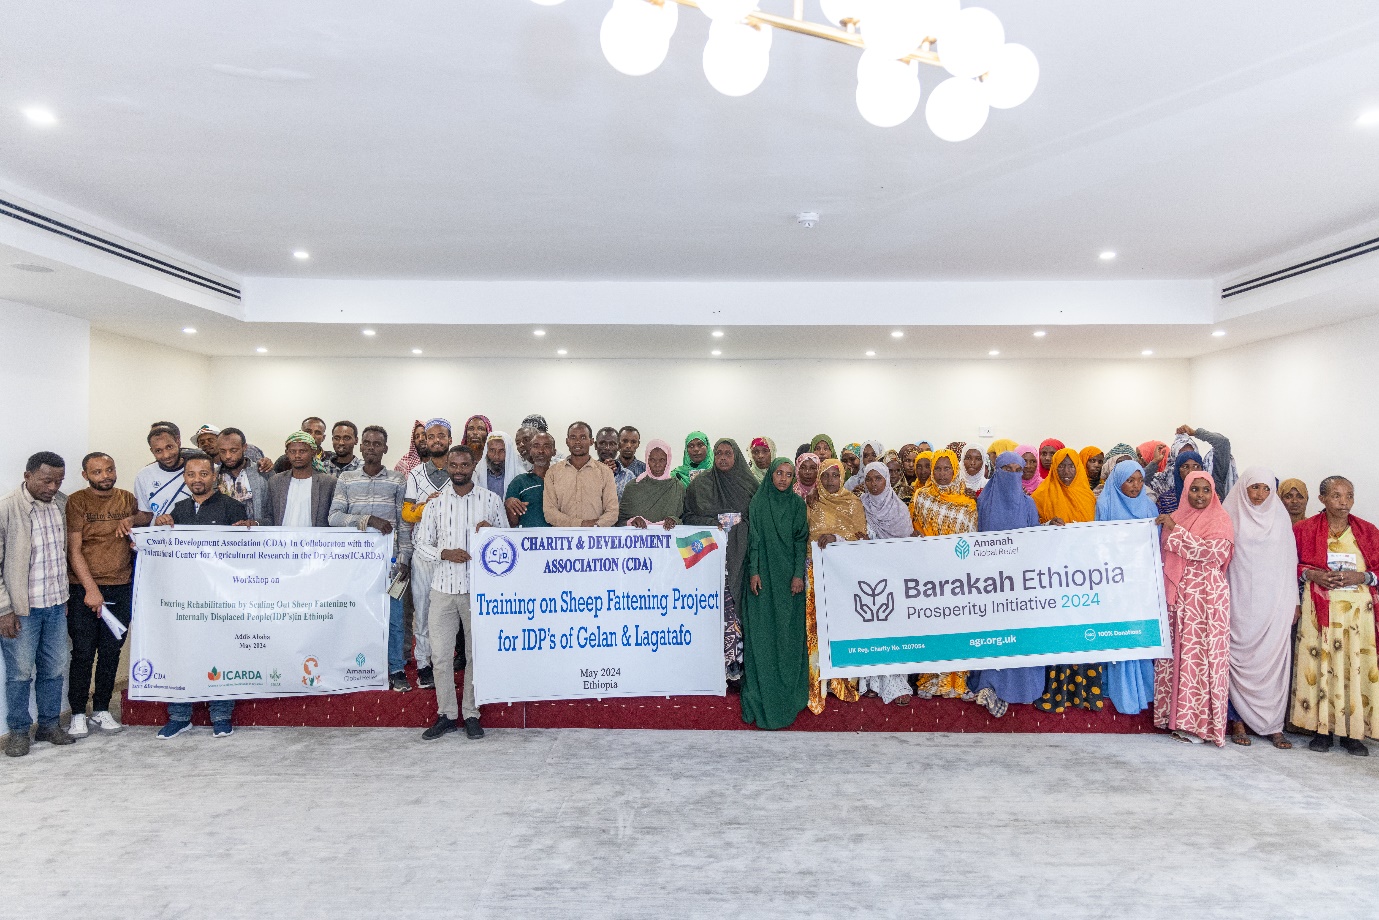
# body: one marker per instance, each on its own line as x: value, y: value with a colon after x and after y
x: 1192, y: 689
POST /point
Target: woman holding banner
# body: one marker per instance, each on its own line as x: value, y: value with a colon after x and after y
x: 940, y: 507
x: 1064, y: 497
x: 1192, y: 689
x: 834, y: 514
x: 656, y: 496
x: 887, y: 519
x: 775, y: 677
x: 1129, y: 684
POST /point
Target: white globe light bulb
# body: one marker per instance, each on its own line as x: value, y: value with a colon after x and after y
x: 956, y: 109
x: 1012, y: 77
x: 887, y: 90
x: 634, y: 44
x: 835, y: 11
x: 736, y: 57
x: 892, y: 28
x: 548, y: 2
x: 726, y: 10
x: 970, y: 42
x: 665, y: 16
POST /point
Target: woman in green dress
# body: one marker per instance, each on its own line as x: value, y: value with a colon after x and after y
x: 775, y: 681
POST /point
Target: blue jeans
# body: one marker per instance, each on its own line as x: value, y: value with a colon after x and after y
x: 221, y: 711
x: 397, y: 655
x: 41, y: 646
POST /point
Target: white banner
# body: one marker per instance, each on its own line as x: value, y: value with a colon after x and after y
x: 1083, y: 593
x: 588, y: 612
x: 238, y: 613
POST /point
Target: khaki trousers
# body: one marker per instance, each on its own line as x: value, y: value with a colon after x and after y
x: 447, y: 612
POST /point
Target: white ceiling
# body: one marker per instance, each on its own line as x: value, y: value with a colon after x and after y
x: 489, y: 139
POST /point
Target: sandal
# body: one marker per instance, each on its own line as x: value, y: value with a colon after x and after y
x: 1280, y: 742
x: 1185, y: 737
x: 902, y: 700
x: 1239, y: 735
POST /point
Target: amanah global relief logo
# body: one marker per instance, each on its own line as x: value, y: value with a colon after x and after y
x: 962, y: 549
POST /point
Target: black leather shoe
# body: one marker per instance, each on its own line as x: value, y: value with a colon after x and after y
x: 54, y: 734
x: 1355, y: 746
x: 472, y: 728
x: 426, y: 678
x: 444, y: 726
x: 1321, y: 744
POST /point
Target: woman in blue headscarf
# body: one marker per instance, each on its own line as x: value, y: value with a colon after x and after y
x: 1004, y: 505
x: 1187, y: 461
x: 1130, y: 684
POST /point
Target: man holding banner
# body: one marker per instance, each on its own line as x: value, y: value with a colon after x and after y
x: 442, y: 538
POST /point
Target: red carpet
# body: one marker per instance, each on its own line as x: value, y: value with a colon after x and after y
x: 386, y: 709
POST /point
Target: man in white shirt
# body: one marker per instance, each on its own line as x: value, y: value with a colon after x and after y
x: 159, y: 486
x: 424, y: 482
x: 300, y: 497
x: 443, y: 538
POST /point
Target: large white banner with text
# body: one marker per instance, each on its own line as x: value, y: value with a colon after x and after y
x: 587, y: 612
x: 1044, y: 595
x: 238, y: 613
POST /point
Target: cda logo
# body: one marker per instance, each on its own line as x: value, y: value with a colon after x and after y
x: 498, y: 557
x: 962, y: 549
x: 142, y: 671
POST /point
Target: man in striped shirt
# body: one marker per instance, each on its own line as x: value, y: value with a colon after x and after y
x: 443, y: 538
x: 424, y: 482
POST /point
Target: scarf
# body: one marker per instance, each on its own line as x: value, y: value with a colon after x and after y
x: 1169, y: 501
x: 1211, y: 523
x: 886, y: 514
x: 1313, y: 537
x: 663, y: 447
x: 1147, y: 451
x: 778, y: 521
x: 901, y: 488
x: 687, y: 471
x: 411, y: 459
x: 512, y: 461
x: 939, y: 510
x: 798, y: 486
x: 1047, y: 442
x: 1001, y: 446
x: 1003, y: 504
x: 536, y: 421
x: 974, y: 482
x: 651, y: 498
x: 923, y: 455
x: 1031, y: 483
x: 1114, y: 505
x: 488, y: 430
x: 838, y: 512
x: 814, y: 443
x: 757, y: 472
x: 1088, y: 453
x: 1073, y: 503
x: 714, y: 491
x: 1285, y: 486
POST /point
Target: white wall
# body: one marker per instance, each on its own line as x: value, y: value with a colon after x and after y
x: 1299, y: 405
x: 44, y: 367
x: 1093, y: 402
x: 134, y: 383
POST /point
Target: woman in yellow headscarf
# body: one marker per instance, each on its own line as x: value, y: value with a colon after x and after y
x: 995, y: 449
x: 942, y: 506
x: 1065, y: 498
x: 834, y: 514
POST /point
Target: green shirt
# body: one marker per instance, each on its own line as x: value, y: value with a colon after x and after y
x: 531, y: 489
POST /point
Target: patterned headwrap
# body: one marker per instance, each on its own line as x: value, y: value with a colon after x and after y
x: 301, y: 437
x: 536, y: 421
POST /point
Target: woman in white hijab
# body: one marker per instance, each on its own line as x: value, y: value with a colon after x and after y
x: 1264, y: 599
x: 872, y: 451
x: 887, y: 518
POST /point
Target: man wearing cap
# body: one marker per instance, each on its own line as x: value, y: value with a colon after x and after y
x: 300, y: 496
x: 424, y: 482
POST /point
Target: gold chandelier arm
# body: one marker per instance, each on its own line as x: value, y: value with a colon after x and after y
x: 801, y: 26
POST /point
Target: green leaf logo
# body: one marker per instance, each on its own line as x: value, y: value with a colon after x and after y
x: 213, y: 674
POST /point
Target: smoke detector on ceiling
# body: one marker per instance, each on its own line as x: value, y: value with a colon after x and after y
x: 807, y: 219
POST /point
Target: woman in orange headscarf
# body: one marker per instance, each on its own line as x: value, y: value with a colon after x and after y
x: 834, y: 514
x: 1065, y: 498
x: 942, y: 506
x: 1093, y: 459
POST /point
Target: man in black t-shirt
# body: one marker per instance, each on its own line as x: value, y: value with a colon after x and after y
x: 207, y: 505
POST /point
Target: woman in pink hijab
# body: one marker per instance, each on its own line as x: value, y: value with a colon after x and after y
x: 1032, y: 476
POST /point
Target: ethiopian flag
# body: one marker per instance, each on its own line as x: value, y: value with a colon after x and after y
x: 696, y: 546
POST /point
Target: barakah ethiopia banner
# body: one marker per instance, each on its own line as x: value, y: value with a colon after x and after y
x: 237, y: 613
x: 1045, y: 595
x: 576, y: 613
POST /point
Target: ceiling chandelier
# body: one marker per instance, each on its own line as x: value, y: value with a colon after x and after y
x: 895, y: 36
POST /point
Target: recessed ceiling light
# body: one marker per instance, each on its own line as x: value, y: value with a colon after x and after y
x: 38, y: 115
x: 261, y: 350
x: 538, y: 332
x: 715, y: 352
x: 718, y: 333
x: 189, y: 330
x: 1039, y: 333
x: 1368, y: 118
x: 871, y: 354
x: 301, y: 254
x: 1218, y: 333
x: 30, y: 267
x: 416, y: 351
x: 561, y: 351
x: 897, y: 334
x: 1107, y: 255
x: 993, y: 352
x: 1147, y: 352
x: 368, y: 332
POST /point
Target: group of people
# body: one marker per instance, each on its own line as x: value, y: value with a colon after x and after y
x: 1271, y: 612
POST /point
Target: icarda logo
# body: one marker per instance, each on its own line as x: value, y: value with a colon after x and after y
x: 231, y: 675
x: 873, y: 609
x: 213, y: 674
x: 962, y: 549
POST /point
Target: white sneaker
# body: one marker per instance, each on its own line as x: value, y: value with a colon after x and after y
x: 104, y: 722
x: 78, y: 727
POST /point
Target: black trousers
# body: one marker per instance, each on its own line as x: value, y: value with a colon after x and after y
x: 94, y: 644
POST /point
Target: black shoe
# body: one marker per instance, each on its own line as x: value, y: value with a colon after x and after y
x: 426, y: 680
x: 1355, y: 746
x: 735, y: 687
x: 55, y: 734
x: 399, y: 682
x: 472, y: 728
x: 1321, y: 744
x: 444, y: 726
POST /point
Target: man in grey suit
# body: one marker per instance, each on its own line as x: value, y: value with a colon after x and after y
x: 299, y: 496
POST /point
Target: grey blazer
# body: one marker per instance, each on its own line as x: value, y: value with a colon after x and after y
x: 322, y: 491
